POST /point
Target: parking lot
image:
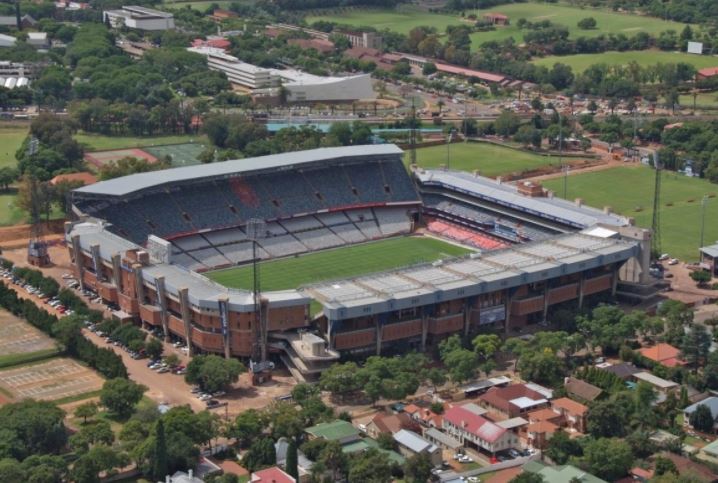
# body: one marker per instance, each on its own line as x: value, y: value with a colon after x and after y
x: 19, y: 337
x: 58, y: 378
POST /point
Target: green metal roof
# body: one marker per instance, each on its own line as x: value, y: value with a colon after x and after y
x: 561, y: 474
x: 333, y: 431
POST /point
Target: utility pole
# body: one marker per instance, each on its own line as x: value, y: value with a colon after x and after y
x: 448, y: 148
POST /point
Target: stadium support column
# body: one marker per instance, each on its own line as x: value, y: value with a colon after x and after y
x: 184, y: 308
x: 224, y: 323
x: 77, y: 251
x: 139, y: 285
x: 116, y: 272
x: 580, y: 289
x: 424, y: 329
x: 378, y: 336
x: 509, y: 298
x: 545, y: 301
x: 162, y: 300
x: 614, y: 280
x: 467, y: 316
x: 96, y: 264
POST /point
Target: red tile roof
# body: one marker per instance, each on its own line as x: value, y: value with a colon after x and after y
x: 484, y: 76
x: 496, y: 15
x: 664, y: 354
x: 570, y: 406
x: 214, y: 43
x: 708, y: 72
x: 500, y: 397
x: 320, y: 45
x: 271, y: 475
x: 542, y: 427
x: 474, y: 424
x: 392, y: 423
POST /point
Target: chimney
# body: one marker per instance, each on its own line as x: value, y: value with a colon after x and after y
x: 578, y: 201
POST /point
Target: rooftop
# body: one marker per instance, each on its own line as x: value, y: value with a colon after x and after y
x: 570, y: 406
x: 711, y: 250
x: 517, y: 395
x: 582, y: 389
x: 414, y: 442
x: 136, y: 182
x: 334, y: 430
x: 663, y: 353
x: 623, y: 370
x: 561, y: 474
x: 271, y: 475
x: 711, y: 403
x: 474, y: 424
x: 655, y: 380
x: 504, y: 194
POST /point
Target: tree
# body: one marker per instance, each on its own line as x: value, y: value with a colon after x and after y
x: 86, y: 410
x: 154, y: 348
x: 429, y: 68
x: 417, y: 469
x: 213, y: 373
x: 88, y: 467
x: 160, y: 467
x: 260, y: 455
x: 608, y: 458
x: 606, y: 419
x: 507, y: 123
x: 462, y: 364
x: 587, y: 23
x: 664, y: 466
x: 31, y: 427
x: 291, y: 463
x: 371, y: 466
x: 702, y: 419
x: 334, y: 459
x: 696, y: 344
x: 247, y: 426
x: 119, y: 396
x: 561, y: 447
x: 340, y: 379
x: 701, y: 277
x: 528, y: 135
x: 543, y: 367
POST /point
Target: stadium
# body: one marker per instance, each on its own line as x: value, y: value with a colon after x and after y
x: 311, y: 256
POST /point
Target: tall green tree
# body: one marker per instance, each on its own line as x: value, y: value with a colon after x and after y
x: 160, y: 467
x: 291, y: 465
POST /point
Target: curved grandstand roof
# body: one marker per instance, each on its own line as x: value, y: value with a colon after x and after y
x: 504, y: 194
x: 137, y: 182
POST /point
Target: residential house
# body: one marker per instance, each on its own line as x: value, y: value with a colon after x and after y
x: 422, y: 413
x: 475, y: 431
x: 709, y: 254
x: 662, y: 386
x: 707, y: 73
x: 390, y: 424
x: 543, y: 424
x: 561, y: 474
x: 38, y: 40
x: 338, y: 430
x: 639, y: 474
x: 515, y: 400
x: 496, y: 18
x: 664, y: 354
x: 711, y: 403
x: 304, y: 464
x: 581, y: 390
x: 220, y: 14
x: 572, y: 413
x: 411, y: 444
x: 624, y: 370
x: 442, y: 440
x: 320, y: 45
x: 271, y: 475
x: 7, y: 40
x: 182, y: 477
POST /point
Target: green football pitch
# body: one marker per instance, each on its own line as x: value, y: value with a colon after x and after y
x: 345, y: 262
x: 581, y: 62
x: 629, y: 191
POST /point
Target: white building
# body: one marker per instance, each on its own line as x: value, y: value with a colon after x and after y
x: 299, y: 86
x: 38, y: 40
x: 140, y: 18
x: 7, y: 40
x: 466, y: 424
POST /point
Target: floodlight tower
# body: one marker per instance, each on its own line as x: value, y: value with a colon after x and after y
x: 256, y: 230
x: 412, y: 133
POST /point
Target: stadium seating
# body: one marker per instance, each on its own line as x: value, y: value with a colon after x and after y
x: 464, y: 235
x: 393, y: 221
x: 282, y: 245
x: 349, y: 233
x: 319, y: 239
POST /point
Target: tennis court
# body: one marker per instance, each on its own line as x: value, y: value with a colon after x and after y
x: 58, y: 378
x: 181, y: 154
x: 101, y: 158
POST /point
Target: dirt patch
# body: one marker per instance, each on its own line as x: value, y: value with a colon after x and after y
x: 101, y: 158
x: 11, y: 233
x: 58, y: 378
x: 19, y: 337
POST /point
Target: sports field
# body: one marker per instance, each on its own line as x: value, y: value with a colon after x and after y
x: 704, y: 99
x: 489, y: 159
x: 182, y: 154
x: 101, y: 158
x: 404, y: 19
x: 10, y: 140
x: 345, y: 262
x: 581, y: 62
x: 629, y: 190
x: 98, y: 142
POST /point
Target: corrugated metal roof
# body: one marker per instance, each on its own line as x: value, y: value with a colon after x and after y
x: 413, y: 441
x: 137, y: 182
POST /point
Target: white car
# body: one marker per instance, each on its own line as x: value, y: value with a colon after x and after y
x: 673, y: 261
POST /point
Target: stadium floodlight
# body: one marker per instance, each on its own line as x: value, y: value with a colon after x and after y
x: 256, y: 230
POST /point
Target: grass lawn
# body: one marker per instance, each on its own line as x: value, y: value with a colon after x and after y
x: 404, y: 19
x: 629, y: 190
x: 704, y: 99
x: 489, y: 159
x: 581, y: 62
x: 9, y: 360
x: 344, y: 262
x: 10, y: 140
x: 401, y: 20
x: 204, y: 5
x: 97, y: 142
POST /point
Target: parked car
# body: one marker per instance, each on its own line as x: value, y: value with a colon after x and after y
x: 212, y: 403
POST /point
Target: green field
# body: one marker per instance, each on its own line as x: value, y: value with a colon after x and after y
x: 204, y: 5
x: 10, y: 140
x: 98, y: 142
x: 489, y: 159
x: 405, y: 19
x: 338, y: 263
x: 581, y: 62
x: 704, y: 99
x: 629, y: 191
x: 181, y: 154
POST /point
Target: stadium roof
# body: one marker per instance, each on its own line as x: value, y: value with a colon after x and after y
x: 504, y: 194
x: 468, y: 276
x: 136, y: 182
